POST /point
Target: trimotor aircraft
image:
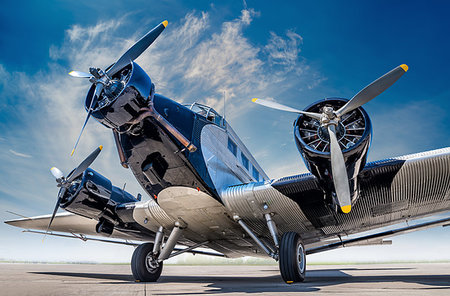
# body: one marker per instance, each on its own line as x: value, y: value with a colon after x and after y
x: 207, y: 191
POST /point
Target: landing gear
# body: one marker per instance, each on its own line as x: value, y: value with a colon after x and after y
x: 290, y: 252
x: 144, y: 264
x: 292, y: 258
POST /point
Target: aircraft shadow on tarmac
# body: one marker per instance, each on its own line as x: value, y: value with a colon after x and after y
x: 234, y: 284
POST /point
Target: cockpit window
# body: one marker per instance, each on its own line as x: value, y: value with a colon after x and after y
x: 207, y: 112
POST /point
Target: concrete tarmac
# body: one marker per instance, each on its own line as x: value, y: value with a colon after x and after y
x: 83, y: 279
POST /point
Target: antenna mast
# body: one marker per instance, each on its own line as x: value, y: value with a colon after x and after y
x: 224, y: 101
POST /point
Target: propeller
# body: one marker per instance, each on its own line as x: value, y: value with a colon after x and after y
x: 330, y: 119
x: 339, y: 172
x: 65, y: 183
x: 79, y: 74
x: 98, y: 90
x: 372, y: 90
x: 275, y: 105
x: 103, y: 80
x: 137, y: 49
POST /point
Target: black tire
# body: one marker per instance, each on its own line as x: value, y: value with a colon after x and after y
x: 141, y: 268
x: 292, y: 258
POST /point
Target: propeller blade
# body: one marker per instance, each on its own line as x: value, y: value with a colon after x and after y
x: 58, y: 202
x: 98, y: 90
x: 79, y: 74
x: 373, y: 89
x: 137, y: 49
x: 339, y: 171
x: 85, y: 164
x: 274, y: 105
x: 57, y: 173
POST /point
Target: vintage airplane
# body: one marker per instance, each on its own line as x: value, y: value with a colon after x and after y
x: 208, y: 191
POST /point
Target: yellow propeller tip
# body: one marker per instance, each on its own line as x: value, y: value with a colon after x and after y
x: 101, y: 147
x: 70, y: 73
x: 346, y: 209
x: 73, y: 151
x: 404, y: 67
x: 165, y: 23
x: 254, y: 100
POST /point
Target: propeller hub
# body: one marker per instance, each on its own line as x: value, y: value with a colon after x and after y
x: 329, y: 112
x: 328, y: 117
x: 95, y: 72
x: 99, y: 76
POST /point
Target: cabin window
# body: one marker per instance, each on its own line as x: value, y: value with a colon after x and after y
x: 255, y: 173
x: 244, y: 160
x: 232, y: 147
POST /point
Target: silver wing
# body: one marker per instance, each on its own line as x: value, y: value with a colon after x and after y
x: 391, y: 191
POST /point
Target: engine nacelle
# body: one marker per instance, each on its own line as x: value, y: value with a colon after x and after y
x: 354, y: 134
x: 121, y: 101
x: 92, y: 195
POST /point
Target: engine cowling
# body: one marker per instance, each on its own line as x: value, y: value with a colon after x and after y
x: 121, y: 101
x: 92, y: 195
x: 354, y: 133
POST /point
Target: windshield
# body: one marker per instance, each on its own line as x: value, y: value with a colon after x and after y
x: 207, y: 112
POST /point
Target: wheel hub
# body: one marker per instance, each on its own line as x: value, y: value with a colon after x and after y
x: 151, y: 263
x: 301, y: 258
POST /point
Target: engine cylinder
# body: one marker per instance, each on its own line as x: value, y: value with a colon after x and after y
x: 354, y: 133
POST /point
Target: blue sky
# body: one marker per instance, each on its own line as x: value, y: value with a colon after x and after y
x: 295, y: 52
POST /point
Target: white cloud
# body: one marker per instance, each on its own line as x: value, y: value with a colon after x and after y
x: 194, y: 62
x: 19, y: 154
x: 284, y: 51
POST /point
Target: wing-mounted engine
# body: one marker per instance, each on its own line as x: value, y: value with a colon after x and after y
x: 87, y: 193
x: 353, y: 133
x: 92, y: 195
x: 333, y: 136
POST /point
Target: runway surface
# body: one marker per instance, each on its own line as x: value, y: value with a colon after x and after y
x: 82, y: 279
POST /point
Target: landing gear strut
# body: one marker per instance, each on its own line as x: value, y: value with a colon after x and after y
x: 147, y: 260
x: 144, y: 264
x: 292, y: 258
x: 290, y: 252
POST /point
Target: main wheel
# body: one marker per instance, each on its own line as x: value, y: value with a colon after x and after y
x: 144, y: 266
x: 292, y: 258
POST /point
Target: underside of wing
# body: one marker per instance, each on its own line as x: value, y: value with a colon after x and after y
x: 390, y: 192
x: 65, y: 222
